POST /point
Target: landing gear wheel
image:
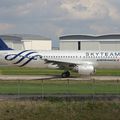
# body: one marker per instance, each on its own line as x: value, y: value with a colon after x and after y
x: 65, y: 74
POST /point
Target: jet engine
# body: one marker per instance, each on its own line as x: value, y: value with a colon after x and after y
x: 85, y: 69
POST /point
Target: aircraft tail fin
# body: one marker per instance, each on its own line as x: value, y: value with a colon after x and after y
x: 3, y: 45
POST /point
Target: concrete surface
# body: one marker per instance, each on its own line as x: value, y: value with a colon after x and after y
x: 45, y: 77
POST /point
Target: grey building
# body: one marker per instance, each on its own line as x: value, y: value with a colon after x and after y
x: 27, y: 41
x: 87, y: 42
x: 13, y: 41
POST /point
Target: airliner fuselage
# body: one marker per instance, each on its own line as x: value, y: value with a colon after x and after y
x: 43, y: 59
x: 84, y: 62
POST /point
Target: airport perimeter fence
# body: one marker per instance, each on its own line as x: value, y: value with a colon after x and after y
x: 55, y: 89
x: 65, y: 96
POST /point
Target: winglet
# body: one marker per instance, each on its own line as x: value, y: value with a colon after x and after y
x: 3, y: 45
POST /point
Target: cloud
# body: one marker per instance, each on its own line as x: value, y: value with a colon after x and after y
x: 6, y: 26
x: 28, y: 7
x: 114, y: 13
x: 99, y: 29
x: 62, y: 9
x: 11, y: 7
x: 24, y: 9
x: 55, y: 17
x: 50, y: 29
x: 104, y: 28
x: 90, y: 9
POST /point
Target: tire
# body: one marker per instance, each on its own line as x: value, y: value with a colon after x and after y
x: 65, y: 74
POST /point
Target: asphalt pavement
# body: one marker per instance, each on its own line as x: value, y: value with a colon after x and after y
x: 48, y: 77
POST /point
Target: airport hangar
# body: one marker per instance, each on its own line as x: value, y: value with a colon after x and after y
x: 87, y: 42
x: 27, y: 41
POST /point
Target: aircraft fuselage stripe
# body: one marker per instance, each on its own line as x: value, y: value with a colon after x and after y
x: 23, y: 57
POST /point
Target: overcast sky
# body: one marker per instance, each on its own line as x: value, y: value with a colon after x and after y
x: 53, y: 18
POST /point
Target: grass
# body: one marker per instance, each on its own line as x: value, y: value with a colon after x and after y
x: 37, y: 71
x: 36, y: 110
x: 28, y: 71
x: 58, y: 87
x: 108, y: 72
x: 62, y: 110
x: 35, y: 87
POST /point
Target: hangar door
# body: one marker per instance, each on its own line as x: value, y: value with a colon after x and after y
x: 18, y: 45
x: 115, y: 45
x: 27, y: 44
x: 41, y: 44
x: 90, y: 45
x: 37, y: 44
x: 68, y: 45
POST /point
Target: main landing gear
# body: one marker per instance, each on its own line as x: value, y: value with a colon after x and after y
x: 65, y: 74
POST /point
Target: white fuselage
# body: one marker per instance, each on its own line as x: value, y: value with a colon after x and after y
x: 98, y: 59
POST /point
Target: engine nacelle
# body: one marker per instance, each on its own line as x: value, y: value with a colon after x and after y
x: 85, y: 69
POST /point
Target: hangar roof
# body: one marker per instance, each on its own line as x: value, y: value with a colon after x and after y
x: 9, y: 37
x: 24, y: 37
x: 110, y: 37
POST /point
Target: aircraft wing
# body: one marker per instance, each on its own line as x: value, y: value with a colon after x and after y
x: 67, y: 63
x: 60, y: 64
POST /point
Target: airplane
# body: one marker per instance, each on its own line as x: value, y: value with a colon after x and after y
x: 84, y: 62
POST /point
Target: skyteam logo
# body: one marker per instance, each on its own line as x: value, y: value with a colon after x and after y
x: 23, y: 58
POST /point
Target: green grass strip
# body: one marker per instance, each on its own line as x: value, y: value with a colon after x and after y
x: 50, y: 87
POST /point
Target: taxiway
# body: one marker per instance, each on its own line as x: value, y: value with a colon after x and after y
x: 34, y: 77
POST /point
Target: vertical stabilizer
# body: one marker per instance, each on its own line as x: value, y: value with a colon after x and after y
x: 3, y: 45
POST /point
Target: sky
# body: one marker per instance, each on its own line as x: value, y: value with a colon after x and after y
x: 54, y: 18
